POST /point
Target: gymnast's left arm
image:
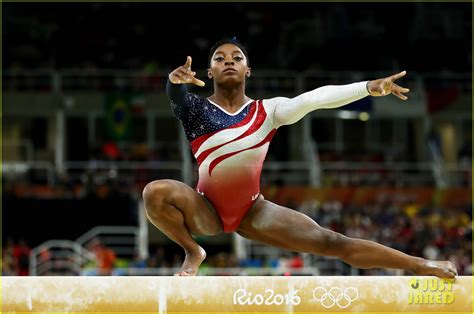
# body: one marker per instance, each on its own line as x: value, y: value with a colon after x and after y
x: 290, y: 110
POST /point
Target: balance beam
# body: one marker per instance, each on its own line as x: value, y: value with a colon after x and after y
x: 237, y: 294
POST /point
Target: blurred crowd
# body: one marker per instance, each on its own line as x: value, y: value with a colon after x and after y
x: 314, y: 35
x: 430, y: 231
x: 15, y: 258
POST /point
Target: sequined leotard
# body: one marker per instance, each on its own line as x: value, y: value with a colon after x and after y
x: 230, y: 147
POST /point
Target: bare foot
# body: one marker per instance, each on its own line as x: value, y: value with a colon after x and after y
x: 191, y: 263
x: 441, y: 269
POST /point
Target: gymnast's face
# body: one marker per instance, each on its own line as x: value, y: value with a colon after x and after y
x: 228, y: 66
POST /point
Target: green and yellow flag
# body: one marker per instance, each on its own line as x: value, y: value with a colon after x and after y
x: 118, y: 116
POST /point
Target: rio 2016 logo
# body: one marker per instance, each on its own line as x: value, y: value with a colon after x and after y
x: 335, y: 296
x: 243, y: 297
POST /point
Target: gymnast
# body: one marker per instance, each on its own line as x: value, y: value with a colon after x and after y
x: 229, y: 134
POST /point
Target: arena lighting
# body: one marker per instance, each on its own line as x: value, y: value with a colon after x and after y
x: 364, y: 116
x: 346, y: 114
x: 207, y: 294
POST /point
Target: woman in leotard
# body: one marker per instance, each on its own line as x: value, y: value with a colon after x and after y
x: 229, y: 134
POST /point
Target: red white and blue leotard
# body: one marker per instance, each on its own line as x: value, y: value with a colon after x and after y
x: 230, y: 148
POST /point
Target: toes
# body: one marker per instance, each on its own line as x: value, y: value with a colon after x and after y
x: 450, y: 273
x: 184, y: 273
x: 452, y: 268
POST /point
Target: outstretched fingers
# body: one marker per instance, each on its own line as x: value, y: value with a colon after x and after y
x: 184, y: 75
x: 197, y: 82
x: 390, y: 87
x: 386, y: 86
x: 397, y: 76
x: 187, y: 65
x: 399, y: 91
x: 191, y: 79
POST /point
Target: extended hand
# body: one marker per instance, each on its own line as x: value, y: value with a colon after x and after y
x: 184, y: 75
x: 386, y: 86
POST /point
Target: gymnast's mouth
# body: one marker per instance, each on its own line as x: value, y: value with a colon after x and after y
x: 229, y: 70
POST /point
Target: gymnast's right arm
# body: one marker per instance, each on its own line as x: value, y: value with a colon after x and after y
x: 177, y: 90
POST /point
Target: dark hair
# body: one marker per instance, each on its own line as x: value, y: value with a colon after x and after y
x: 227, y: 40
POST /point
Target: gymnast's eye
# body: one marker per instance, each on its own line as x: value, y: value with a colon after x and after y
x: 238, y: 59
x: 218, y: 59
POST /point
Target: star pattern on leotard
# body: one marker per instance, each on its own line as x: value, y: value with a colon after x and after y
x: 198, y: 119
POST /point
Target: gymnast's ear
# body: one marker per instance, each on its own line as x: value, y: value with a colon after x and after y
x: 248, y: 73
x: 209, y: 74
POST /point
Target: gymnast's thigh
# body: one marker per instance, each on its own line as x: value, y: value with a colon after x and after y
x: 199, y: 215
x: 286, y: 228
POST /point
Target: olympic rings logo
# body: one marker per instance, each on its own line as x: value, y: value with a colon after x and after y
x: 335, y: 296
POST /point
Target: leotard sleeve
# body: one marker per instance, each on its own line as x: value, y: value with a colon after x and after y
x: 180, y: 99
x: 290, y: 110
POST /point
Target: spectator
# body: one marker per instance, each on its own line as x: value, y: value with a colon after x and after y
x: 8, y: 262
x: 21, y: 256
x: 158, y: 259
x: 296, y: 261
x: 105, y: 258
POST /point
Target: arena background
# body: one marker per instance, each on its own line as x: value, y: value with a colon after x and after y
x: 86, y: 125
